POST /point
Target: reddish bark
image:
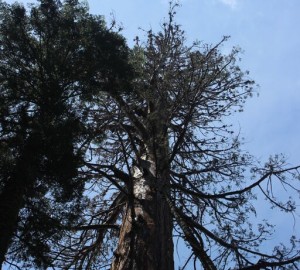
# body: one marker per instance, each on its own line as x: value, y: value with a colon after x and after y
x: 145, y: 240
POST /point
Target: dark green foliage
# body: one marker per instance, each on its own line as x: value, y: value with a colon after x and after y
x: 54, y: 58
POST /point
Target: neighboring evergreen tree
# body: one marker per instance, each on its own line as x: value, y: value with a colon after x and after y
x: 54, y: 58
x: 170, y: 166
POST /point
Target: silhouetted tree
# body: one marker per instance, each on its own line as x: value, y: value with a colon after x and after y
x: 54, y: 58
x: 167, y: 163
x: 157, y: 156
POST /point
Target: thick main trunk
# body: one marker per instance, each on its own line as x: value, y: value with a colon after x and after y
x: 11, y: 201
x: 12, y: 194
x: 145, y: 241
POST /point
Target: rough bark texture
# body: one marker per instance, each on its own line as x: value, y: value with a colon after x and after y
x: 145, y: 240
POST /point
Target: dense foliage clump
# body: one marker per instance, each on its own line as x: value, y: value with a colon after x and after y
x: 54, y: 58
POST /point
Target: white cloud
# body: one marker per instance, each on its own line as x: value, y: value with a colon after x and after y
x: 231, y: 3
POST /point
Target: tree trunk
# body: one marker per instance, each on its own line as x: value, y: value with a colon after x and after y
x: 12, y: 196
x: 145, y: 241
x: 11, y: 201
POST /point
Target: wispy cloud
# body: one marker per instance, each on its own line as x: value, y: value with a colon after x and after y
x: 231, y: 3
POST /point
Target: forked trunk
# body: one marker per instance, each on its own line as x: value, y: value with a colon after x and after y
x: 145, y: 241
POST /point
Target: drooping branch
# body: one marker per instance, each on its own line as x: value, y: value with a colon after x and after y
x: 262, y: 264
x: 197, y: 245
x: 227, y: 195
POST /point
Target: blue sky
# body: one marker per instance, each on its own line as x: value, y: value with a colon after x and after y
x: 267, y: 31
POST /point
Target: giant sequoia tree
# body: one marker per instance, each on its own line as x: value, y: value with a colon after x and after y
x: 53, y: 58
x: 165, y: 163
x: 161, y: 162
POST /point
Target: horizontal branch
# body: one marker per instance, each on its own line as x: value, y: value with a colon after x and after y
x: 117, y: 173
x: 264, y: 264
x: 95, y: 227
x: 231, y: 193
